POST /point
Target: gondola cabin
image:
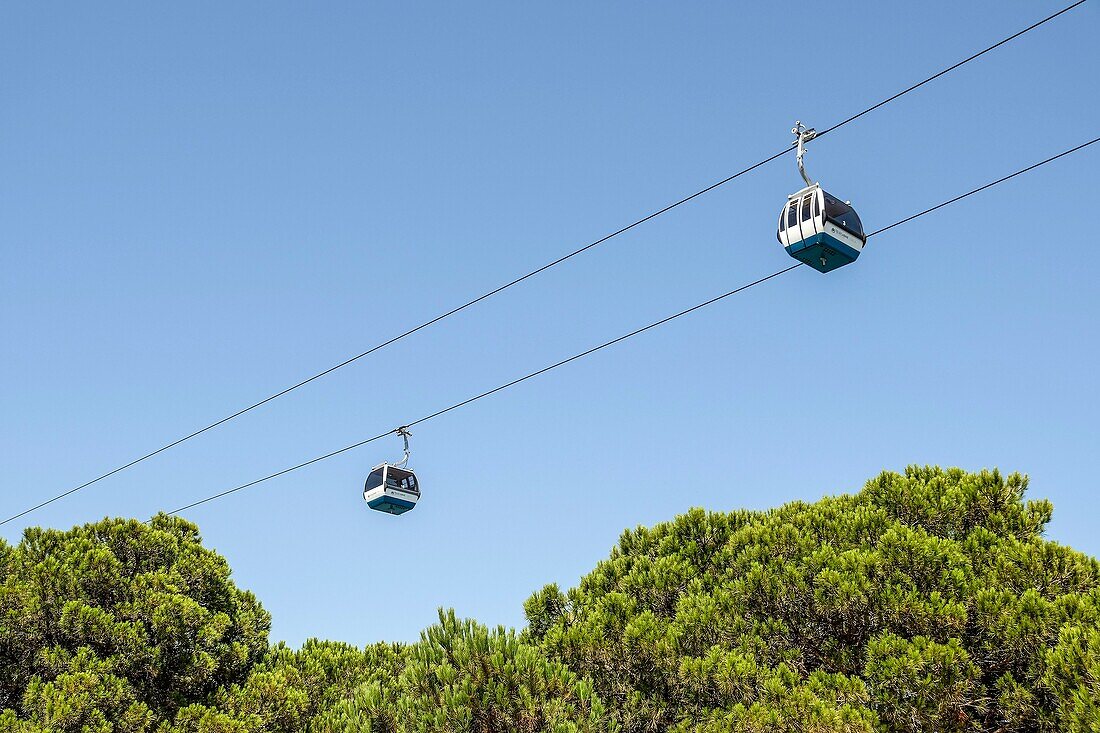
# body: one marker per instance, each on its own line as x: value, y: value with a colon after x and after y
x: 820, y: 230
x: 391, y: 489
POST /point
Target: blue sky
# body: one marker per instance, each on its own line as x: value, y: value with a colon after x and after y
x: 202, y: 204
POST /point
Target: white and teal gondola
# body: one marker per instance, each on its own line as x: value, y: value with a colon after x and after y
x: 391, y: 489
x: 820, y: 230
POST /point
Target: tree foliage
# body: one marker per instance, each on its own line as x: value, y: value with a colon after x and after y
x: 928, y: 602
x: 114, y: 626
x: 460, y: 676
x: 463, y: 677
x: 289, y: 689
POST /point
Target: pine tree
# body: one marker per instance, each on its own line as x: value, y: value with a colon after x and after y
x: 927, y: 602
x: 113, y: 626
x: 461, y: 677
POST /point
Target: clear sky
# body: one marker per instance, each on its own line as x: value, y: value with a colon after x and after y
x: 202, y: 203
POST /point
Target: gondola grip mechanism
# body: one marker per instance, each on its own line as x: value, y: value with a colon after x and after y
x: 403, y: 431
x: 804, y: 135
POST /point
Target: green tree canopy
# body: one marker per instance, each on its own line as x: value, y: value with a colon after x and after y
x: 463, y: 677
x: 114, y: 626
x: 927, y: 602
x: 288, y: 689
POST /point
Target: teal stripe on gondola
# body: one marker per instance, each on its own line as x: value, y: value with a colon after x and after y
x: 390, y: 504
x: 812, y: 249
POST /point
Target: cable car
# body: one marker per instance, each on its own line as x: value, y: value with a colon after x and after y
x: 392, y: 487
x: 815, y: 227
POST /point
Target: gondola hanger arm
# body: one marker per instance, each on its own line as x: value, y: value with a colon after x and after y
x: 404, y: 432
x: 803, y: 135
